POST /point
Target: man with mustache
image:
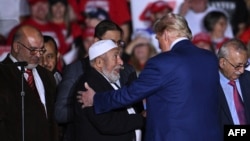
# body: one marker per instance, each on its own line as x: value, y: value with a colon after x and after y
x: 30, y: 118
x: 64, y: 111
x: 123, y: 124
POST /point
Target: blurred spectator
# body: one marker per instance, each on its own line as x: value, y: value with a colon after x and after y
x: 245, y: 36
x: 152, y: 12
x: 87, y: 40
x: 10, y: 17
x: 117, y: 10
x: 59, y: 16
x: 83, y: 44
x: 139, y: 50
x: 248, y: 6
x: 215, y: 22
x: 202, y: 40
x: 50, y: 57
x: 195, y: 10
x: 94, y: 16
x: 237, y: 11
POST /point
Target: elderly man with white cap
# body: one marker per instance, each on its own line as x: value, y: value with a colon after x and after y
x: 123, y: 124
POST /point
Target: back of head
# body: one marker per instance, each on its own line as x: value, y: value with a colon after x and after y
x: 175, y: 23
x: 105, y: 26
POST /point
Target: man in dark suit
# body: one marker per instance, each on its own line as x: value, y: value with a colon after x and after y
x: 180, y: 85
x: 38, y: 100
x: 233, y: 60
x: 123, y: 124
x: 64, y: 108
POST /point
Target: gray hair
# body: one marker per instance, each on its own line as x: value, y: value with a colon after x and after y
x: 175, y: 23
x: 236, y: 44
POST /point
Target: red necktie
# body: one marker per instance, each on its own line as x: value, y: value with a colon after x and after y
x: 30, y: 80
x: 238, y: 103
x: 32, y: 85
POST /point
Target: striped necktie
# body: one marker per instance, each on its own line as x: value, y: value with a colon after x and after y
x: 31, y: 81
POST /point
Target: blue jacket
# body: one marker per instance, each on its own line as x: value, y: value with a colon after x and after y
x: 181, y: 87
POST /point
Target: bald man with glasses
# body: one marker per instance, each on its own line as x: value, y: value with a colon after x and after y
x: 26, y: 93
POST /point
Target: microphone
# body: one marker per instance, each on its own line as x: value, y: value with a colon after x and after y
x: 23, y: 63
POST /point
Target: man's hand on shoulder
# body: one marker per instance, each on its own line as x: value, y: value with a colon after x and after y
x: 86, y: 97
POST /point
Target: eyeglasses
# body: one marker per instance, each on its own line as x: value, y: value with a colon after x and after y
x: 120, y: 43
x: 239, y: 66
x: 34, y: 51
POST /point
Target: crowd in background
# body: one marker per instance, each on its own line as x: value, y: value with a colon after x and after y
x: 68, y: 28
x: 71, y: 22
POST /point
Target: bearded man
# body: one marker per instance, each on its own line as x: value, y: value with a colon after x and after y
x: 123, y: 124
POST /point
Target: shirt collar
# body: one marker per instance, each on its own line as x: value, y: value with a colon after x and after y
x: 177, y: 40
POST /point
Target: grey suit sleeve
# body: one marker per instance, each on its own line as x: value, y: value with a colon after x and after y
x: 64, y: 99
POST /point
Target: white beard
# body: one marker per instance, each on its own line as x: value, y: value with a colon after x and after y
x: 112, y: 77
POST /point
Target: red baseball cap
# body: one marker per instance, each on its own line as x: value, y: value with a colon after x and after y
x: 155, y: 7
x: 32, y: 2
x: 201, y: 37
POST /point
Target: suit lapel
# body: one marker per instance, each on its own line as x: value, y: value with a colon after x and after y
x: 49, y: 88
x: 245, y: 89
x: 97, y: 81
x: 224, y: 106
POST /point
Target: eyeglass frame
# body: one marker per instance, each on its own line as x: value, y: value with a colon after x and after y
x: 41, y: 51
x: 238, y: 66
x: 120, y: 43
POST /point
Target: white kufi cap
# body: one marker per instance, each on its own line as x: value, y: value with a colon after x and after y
x: 100, y: 47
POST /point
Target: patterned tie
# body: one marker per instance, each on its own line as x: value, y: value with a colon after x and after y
x: 30, y: 81
x: 238, y: 103
x: 32, y: 85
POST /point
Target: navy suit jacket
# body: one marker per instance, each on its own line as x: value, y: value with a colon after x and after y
x: 181, y: 88
x: 225, y: 115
